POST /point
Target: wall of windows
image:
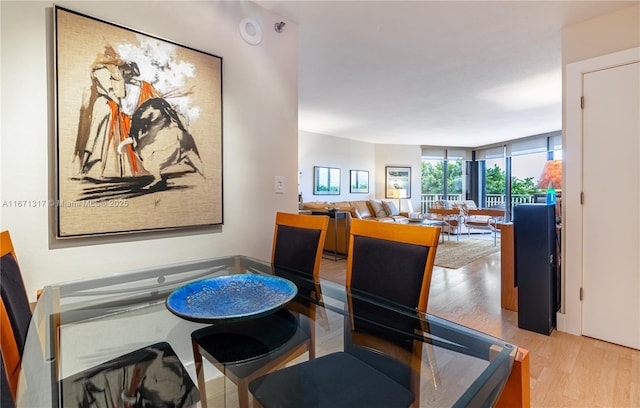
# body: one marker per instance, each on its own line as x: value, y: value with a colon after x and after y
x: 491, y: 176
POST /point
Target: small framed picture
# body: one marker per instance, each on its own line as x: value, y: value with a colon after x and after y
x: 326, y: 180
x: 397, y: 182
x: 358, y: 181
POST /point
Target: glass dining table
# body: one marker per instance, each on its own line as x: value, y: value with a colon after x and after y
x: 112, y: 341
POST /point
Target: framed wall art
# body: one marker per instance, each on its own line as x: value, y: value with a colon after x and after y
x: 139, y: 130
x: 326, y: 180
x: 397, y: 182
x: 358, y: 181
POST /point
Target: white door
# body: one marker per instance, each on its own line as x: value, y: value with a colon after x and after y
x: 611, y: 210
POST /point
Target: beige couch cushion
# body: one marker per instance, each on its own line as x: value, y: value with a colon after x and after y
x: 378, y: 209
x: 390, y: 208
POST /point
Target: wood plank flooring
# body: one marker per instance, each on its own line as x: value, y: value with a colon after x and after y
x: 566, y: 370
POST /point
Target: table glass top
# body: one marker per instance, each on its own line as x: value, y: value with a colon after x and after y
x: 78, y: 326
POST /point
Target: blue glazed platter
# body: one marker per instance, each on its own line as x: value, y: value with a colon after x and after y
x: 231, y: 298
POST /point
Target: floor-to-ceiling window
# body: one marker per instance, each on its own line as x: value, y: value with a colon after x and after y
x: 443, y: 176
x: 495, y: 185
x: 511, y: 172
x: 492, y: 177
x: 455, y: 175
x: 432, y: 182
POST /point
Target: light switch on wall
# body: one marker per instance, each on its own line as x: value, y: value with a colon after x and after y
x: 279, y: 184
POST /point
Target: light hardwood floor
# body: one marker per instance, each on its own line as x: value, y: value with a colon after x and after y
x: 566, y: 370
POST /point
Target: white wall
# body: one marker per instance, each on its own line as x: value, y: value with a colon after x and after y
x: 259, y: 126
x: 330, y: 151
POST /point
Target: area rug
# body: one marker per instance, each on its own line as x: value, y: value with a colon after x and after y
x: 456, y: 254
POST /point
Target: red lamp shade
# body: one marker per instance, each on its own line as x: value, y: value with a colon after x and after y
x: 552, y: 173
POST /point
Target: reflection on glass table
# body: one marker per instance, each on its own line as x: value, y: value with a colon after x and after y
x: 82, y: 325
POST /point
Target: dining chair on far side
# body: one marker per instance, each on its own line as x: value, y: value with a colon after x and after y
x: 298, y: 242
x: 246, y: 351
x: 389, y: 262
x: 15, y: 311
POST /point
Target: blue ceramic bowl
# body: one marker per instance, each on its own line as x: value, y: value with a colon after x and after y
x: 231, y: 298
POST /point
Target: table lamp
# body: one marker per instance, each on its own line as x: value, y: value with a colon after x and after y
x: 551, y: 179
x: 400, y: 193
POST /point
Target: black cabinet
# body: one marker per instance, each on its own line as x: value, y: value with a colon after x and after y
x: 536, y: 271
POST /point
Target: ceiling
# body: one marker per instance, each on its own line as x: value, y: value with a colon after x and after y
x: 438, y: 73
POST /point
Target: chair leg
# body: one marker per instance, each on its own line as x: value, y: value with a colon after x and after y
x: 433, y: 366
x: 197, y: 361
x: 312, y: 348
x: 243, y: 393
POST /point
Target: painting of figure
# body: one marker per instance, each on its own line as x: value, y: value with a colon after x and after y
x: 139, y: 130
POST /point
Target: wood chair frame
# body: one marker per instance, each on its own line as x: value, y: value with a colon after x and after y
x: 491, y: 223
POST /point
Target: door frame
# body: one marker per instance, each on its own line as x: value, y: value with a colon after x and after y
x: 569, y: 318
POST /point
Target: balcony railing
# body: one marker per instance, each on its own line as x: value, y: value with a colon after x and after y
x: 492, y: 200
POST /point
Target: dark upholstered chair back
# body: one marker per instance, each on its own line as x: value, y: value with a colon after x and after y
x: 389, y: 269
x: 392, y: 260
x: 298, y: 242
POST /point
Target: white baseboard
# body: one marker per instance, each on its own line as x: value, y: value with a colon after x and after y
x: 561, y: 322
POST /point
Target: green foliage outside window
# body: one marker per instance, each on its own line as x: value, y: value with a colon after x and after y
x: 433, y: 180
x: 433, y: 177
x: 496, y: 182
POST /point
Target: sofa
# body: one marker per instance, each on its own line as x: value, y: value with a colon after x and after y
x: 373, y: 210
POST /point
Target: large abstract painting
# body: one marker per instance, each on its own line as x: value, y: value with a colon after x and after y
x: 139, y: 130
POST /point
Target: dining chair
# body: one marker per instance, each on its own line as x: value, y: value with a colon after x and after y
x: 246, y: 351
x: 387, y: 262
x: 15, y: 312
x: 394, y: 263
x: 485, y: 218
